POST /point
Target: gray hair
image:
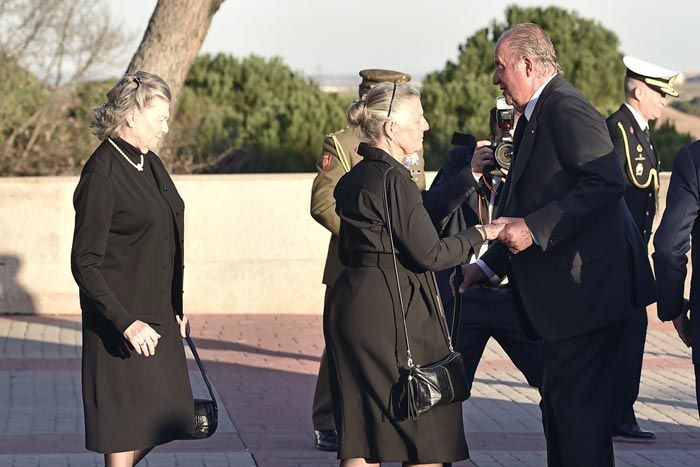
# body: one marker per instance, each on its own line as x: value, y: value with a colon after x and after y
x: 370, y: 113
x: 135, y: 90
x: 631, y: 84
x: 530, y: 40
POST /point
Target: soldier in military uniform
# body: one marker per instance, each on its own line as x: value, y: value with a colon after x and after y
x: 646, y: 88
x: 337, y: 158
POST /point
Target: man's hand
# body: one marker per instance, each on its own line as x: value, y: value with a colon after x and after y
x: 472, y: 274
x: 483, y: 158
x: 682, y: 325
x: 516, y: 234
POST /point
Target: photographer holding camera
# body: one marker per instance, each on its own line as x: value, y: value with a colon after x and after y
x: 488, y: 310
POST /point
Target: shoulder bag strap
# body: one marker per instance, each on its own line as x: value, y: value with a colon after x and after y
x: 396, y: 268
x: 201, y: 368
x: 441, y: 315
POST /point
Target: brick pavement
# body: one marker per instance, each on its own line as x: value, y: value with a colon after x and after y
x: 263, y: 368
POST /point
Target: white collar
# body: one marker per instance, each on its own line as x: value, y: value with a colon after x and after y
x: 530, y: 107
x: 641, y: 121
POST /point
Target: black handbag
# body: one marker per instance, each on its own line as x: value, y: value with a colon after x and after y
x: 206, y: 412
x: 439, y: 383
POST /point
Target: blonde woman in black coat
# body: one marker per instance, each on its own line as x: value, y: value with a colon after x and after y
x: 362, y: 322
x: 127, y: 261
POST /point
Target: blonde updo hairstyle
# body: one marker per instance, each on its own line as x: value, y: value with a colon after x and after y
x: 135, y: 90
x: 370, y: 113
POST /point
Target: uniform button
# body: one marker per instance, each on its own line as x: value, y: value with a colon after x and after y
x: 165, y: 188
x: 647, y: 213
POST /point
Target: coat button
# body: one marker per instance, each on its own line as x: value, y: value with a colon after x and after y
x: 165, y: 188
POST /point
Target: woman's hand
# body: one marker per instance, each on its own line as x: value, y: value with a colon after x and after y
x: 184, y: 323
x: 492, y: 230
x: 142, y: 337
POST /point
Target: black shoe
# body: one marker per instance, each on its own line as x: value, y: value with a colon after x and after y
x: 326, y: 440
x: 632, y: 431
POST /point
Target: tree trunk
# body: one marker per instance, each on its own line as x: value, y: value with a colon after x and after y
x: 172, y: 40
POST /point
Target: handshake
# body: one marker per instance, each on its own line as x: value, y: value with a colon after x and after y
x: 511, y: 231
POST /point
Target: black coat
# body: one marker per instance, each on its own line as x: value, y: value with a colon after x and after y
x: 680, y: 222
x: 364, y: 333
x: 127, y: 262
x: 587, y: 268
x: 640, y: 166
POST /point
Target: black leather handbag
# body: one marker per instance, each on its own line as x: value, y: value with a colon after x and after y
x: 429, y: 385
x: 206, y: 412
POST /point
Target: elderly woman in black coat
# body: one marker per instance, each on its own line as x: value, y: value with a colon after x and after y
x: 127, y: 260
x: 362, y: 322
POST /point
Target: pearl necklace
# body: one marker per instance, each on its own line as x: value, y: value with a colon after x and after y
x: 138, y: 166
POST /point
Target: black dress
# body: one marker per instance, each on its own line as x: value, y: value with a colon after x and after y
x: 127, y: 261
x: 362, y: 320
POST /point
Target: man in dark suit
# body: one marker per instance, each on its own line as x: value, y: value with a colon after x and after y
x: 569, y: 247
x: 671, y: 244
x: 646, y: 87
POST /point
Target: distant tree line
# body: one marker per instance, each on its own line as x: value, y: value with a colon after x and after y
x: 257, y: 115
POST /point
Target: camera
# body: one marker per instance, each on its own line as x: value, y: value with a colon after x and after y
x: 503, y: 117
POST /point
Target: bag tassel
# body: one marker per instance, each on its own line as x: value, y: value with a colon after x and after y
x: 412, y: 407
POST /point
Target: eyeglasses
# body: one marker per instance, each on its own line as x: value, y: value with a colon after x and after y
x: 391, y: 102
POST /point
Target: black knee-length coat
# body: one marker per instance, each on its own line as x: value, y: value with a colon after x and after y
x: 127, y: 259
x: 362, y: 320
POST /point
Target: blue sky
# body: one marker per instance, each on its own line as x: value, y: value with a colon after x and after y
x: 341, y: 37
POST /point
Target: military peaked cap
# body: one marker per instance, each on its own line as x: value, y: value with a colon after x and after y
x: 372, y: 77
x: 658, y: 78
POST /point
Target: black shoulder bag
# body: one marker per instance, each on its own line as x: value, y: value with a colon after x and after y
x: 206, y: 412
x: 439, y: 383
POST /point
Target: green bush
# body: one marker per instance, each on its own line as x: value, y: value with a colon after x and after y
x: 668, y: 141
x: 251, y: 115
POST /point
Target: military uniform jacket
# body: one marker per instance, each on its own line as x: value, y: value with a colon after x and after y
x: 338, y: 156
x: 640, y: 164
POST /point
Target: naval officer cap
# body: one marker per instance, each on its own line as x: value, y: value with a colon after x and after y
x: 659, y: 79
x: 372, y: 77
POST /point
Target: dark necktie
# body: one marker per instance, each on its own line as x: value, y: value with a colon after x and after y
x: 647, y: 134
x: 519, y: 133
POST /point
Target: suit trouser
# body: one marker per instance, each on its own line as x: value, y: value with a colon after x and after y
x: 697, y: 387
x: 490, y: 313
x: 628, y: 367
x: 577, y: 398
x: 322, y: 411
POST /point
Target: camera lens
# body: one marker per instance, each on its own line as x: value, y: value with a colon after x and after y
x: 504, y: 155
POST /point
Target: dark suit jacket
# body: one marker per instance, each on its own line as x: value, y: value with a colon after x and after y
x: 640, y: 166
x: 680, y: 221
x: 587, y: 269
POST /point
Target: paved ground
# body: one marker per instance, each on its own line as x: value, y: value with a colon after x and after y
x: 263, y: 368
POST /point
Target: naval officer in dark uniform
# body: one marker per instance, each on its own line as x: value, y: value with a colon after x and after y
x: 646, y: 88
x: 338, y: 156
